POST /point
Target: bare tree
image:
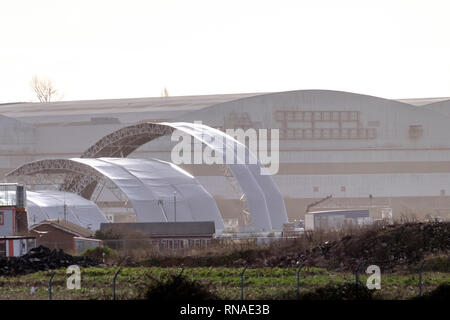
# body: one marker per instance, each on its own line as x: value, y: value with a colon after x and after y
x: 43, y: 88
x: 164, y: 92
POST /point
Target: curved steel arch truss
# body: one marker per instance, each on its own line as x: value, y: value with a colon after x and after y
x: 79, y: 178
x: 124, y: 141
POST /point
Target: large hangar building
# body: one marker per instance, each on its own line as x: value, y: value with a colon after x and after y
x: 367, y: 152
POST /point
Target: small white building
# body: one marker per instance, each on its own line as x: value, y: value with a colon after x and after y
x: 336, y: 219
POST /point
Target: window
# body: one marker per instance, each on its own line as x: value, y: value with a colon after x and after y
x: 371, y: 133
x: 361, y: 133
x: 279, y: 115
x: 290, y: 133
x: 290, y: 115
x: 415, y: 131
x: 307, y: 134
x: 307, y: 116
x: 335, y: 133
x: 335, y: 115
x: 2, y: 218
x: 317, y: 115
x: 316, y: 134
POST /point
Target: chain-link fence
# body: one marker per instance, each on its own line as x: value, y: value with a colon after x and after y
x: 226, y: 283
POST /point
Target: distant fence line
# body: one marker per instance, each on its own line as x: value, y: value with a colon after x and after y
x: 243, y: 279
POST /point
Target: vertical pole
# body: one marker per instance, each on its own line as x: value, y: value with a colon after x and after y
x: 114, y: 284
x: 420, y: 278
x: 50, y: 284
x: 175, y: 204
x: 357, y: 271
x: 298, y: 279
x: 242, y: 283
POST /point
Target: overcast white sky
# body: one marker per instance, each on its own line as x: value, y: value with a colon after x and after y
x: 122, y: 49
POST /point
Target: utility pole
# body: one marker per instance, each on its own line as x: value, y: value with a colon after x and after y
x: 65, y: 207
x: 175, y: 204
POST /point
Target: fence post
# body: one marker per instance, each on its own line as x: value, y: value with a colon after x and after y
x: 420, y: 277
x: 242, y: 283
x: 360, y: 262
x: 114, y: 283
x: 50, y: 284
x: 298, y: 279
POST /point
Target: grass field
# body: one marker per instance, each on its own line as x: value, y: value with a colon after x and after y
x: 260, y: 283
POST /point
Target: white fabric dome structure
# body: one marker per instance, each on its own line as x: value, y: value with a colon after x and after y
x: 49, y: 204
x: 153, y: 186
x: 159, y: 191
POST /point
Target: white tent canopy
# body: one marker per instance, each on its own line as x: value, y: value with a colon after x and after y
x: 49, y: 204
x: 157, y: 189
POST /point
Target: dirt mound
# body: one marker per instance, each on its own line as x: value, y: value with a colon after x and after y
x: 41, y: 259
x: 389, y: 247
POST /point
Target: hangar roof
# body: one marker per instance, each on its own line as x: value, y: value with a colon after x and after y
x: 66, y: 226
x: 127, y: 111
x: 165, y: 106
x: 199, y: 228
x: 422, y: 101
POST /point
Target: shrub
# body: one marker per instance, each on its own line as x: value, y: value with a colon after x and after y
x: 442, y: 292
x: 178, y: 288
x: 345, y: 291
x: 105, y: 235
x: 97, y: 253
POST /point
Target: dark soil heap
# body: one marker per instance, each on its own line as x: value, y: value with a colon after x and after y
x: 41, y: 259
x: 391, y: 247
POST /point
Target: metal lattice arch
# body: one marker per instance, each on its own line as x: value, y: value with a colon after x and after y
x: 159, y: 191
x: 265, y: 202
